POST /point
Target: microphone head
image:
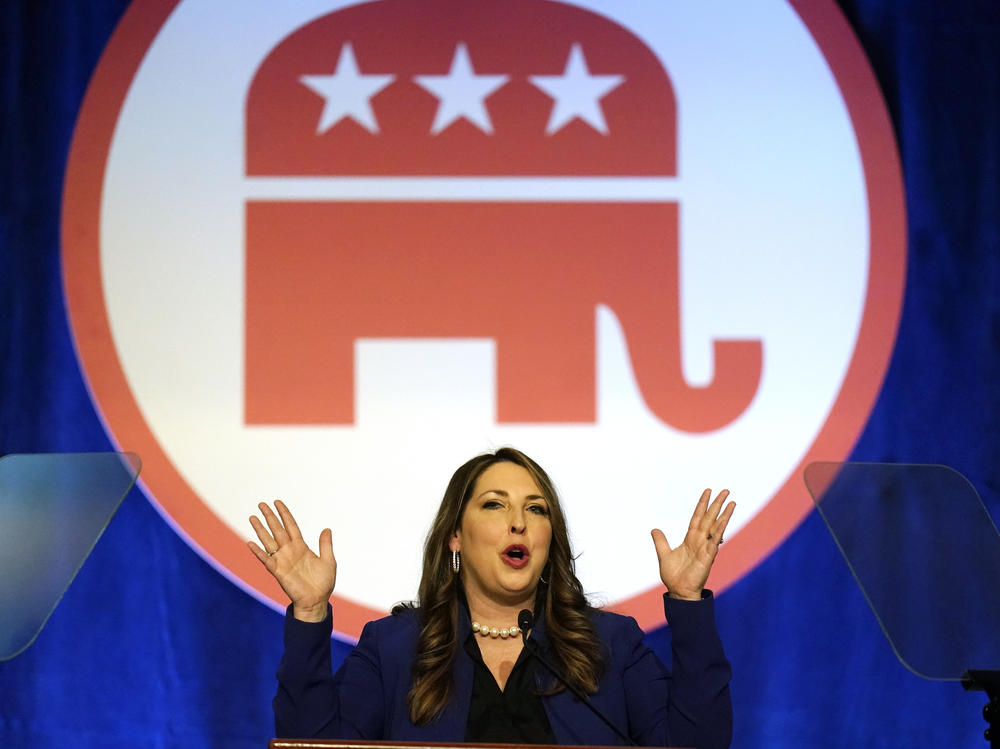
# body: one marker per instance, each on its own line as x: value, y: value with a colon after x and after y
x: 525, y: 619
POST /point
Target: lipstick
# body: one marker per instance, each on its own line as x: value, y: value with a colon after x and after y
x: 516, y: 556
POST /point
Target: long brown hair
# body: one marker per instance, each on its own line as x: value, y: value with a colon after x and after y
x: 574, y: 644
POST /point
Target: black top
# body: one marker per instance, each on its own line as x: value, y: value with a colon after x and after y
x: 514, y: 715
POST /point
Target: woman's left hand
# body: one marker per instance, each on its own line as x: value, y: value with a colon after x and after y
x: 684, y: 570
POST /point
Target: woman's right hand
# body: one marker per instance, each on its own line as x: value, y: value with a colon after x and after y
x: 307, y: 579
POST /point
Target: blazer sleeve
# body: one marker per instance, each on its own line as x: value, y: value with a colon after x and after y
x: 313, y: 702
x: 690, y: 704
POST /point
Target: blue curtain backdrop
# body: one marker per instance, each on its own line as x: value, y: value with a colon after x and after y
x: 151, y: 647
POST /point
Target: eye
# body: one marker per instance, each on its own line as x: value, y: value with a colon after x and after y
x: 539, y: 510
x: 491, y: 504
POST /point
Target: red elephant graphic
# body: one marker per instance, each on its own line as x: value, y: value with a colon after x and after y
x: 468, y: 93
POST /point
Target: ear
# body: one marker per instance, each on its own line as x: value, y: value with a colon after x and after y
x: 455, y: 544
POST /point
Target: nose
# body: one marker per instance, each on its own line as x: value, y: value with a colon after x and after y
x: 517, y: 524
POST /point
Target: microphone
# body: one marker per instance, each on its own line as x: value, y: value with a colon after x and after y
x: 525, y: 620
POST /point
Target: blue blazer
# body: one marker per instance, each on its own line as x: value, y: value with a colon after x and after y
x: 366, y: 699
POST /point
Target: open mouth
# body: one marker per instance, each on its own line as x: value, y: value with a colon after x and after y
x: 516, y: 555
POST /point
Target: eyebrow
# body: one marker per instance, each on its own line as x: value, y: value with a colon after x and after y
x: 502, y: 493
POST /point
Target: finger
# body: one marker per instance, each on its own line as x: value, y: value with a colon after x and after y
x: 286, y: 517
x: 660, y: 542
x: 266, y: 541
x: 708, y: 520
x: 699, y: 510
x: 258, y: 552
x: 326, y: 546
x: 277, y: 529
x: 723, y: 522
x: 712, y: 514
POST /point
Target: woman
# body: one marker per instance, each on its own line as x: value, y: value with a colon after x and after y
x: 498, y: 546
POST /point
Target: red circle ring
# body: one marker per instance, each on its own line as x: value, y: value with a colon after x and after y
x: 193, y: 520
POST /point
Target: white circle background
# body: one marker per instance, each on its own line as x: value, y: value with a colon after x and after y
x: 774, y: 246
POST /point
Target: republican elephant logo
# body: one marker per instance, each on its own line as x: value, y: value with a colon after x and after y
x: 509, y: 249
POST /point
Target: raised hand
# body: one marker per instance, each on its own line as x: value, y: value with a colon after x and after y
x: 307, y: 579
x: 684, y: 570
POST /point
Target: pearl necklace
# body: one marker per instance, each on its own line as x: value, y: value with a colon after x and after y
x: 494, y: 632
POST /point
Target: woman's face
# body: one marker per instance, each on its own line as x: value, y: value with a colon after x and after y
x: 504, y: 536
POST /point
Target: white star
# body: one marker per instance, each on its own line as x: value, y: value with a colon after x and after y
x: 577, y: 93
x: 347, y: 93
x: 461, y: 93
